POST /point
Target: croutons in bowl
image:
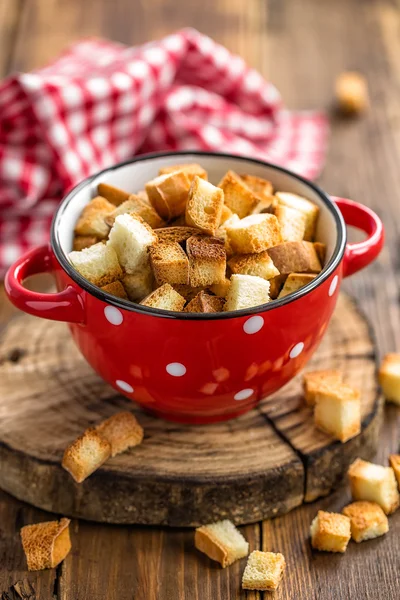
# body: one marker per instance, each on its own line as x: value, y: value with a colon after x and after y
x: 196, y: 283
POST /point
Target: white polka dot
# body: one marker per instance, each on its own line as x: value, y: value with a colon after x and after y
x: 113, y: 315
x: 253, y: 325
x: 243, y: 394
x: 124, y: 386
x: 333, y: 286
x: 296, y: 350
x: 176, y: 369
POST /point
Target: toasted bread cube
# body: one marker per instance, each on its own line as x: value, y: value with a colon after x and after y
x: 112, y: 194
x: 221, y: 542
x: 139, y: 285
x: 275, y: 286
x: 204, y: 206
x: 187, y: 291
x: 169, y: 263
x: 115, y: 289
x: 338, y: 411
x: 98, y: 264
x: 259, y: 264
x: 136, y: 206
x: 309, y: 209
x: 320, y: 249
x: 394, y: 461
x: 131, y: 238
x: 226, y: 214
x: 313, y: 381
x: 254, y: 234
x: 169, y: 193
x: 264, y: 571
x: 330, y: 532
x: 142, y: 194
x: 246, y: 291
x: 295, y: 257
x: 221, y: 289
x: 205, y: 303
x: 166, y: 298
x: 91, y: 221
x: 46, y: 544
x: 122, y: 431
x: 367, y: 520
x: 207, y: 260
x: 374, y: 483
x: 294, y: 282
x: 238, y: 196
x: 223, y: 235
x: 292, y: 223
x: 85, y: 455
x: 389, y: 377
x: 177, y: 234
x: 191, y: 169
x: 261, y: 187
x: 84, y: 241
x: 351, y: 92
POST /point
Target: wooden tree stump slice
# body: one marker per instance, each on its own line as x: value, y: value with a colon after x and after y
x: 257, y: 466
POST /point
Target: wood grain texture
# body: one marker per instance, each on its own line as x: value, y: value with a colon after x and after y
x: 301, y: 47
x: 254, y: 467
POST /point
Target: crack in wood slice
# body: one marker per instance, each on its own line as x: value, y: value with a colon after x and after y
x: 248, y: 469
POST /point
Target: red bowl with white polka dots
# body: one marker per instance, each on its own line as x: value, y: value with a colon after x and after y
x: 195, y: 368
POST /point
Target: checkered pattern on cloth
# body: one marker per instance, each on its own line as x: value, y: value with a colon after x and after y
x: 102, y: 102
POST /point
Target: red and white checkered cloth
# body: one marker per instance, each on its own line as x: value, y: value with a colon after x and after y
x: 102, y: 102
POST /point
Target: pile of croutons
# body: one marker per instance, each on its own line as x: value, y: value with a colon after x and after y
x: 184, y: 244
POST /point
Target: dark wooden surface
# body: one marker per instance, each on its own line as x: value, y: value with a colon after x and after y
x: 258, y: 466
x: 300, y: 46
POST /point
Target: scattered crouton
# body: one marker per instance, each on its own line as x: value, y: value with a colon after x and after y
x: 85, y: 455
x: 367, y: 520
x: 374, y: 483
x: 351, y: 92
x: 204, y: 206
x: 308, y: 208
x: 177, y: 234
x: 338, y: 410
x: 46, y: 544
x: 246, y: 291
x: 394, y: 461
x: 264, y: 571
x: 294, y: 282
x: 169, y: 263
x: 122, y: 431
x: 320, y: 249
x: 295, y: 257
x: 131, y: 237
x: 389, y: 377
x: 165, y: 297
x: 330, y: 532
x: 207, y: 260
x: 275, y: 286
x: 254, y: 234
x: 112, y: 194
x: 98, y: 264
x: 192, y: 170
x: 259, y: 264
x: 137, y: 206
x: 261, y: 187
x: 238, y: 196
x: 138, y: 285
x: 221, y: 289
x: 221, y: 542
x: 168, y: 193
x: 115, y: 289
x: 205, y: 303
x: 314, y: 380
x: 91, y: 220
x: 84, y: 241
x: 292, y: 223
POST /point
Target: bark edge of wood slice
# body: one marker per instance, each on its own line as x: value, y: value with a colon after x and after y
x: 258, y: 466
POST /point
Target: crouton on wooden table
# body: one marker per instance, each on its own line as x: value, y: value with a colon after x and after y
x: 85, y: 455
x: 367, y: 520
x: 374, y: 483
x: 264, y: 571
x: 330, y: 532
x: 221, y: 542
x: 46, y: 544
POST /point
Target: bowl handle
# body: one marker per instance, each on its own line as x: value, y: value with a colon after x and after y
x: 62, y: 306
x: 359, y: 255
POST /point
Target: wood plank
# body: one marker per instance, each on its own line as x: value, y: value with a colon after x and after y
x: 10, y: 11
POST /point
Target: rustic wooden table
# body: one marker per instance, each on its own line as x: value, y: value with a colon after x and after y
x: 300, y: 46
